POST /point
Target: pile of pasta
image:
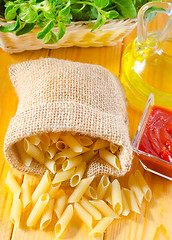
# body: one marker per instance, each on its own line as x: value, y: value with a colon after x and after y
x: 97, y: 202
x: 65, y: 151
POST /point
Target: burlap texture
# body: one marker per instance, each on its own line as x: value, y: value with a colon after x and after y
x: 57, y: 95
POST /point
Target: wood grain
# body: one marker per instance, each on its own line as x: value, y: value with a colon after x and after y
x: 154, y: 222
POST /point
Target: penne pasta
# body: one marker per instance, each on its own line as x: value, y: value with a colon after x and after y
x: 62, y: 176
x: 13, y: 185
x: 104, y: 208
x: 101, y: 226
x: 116, y: 197
x: 42, y: 147
x: 84, y: 140
x: 51, y: 165
x: 42, y: 187
x: 38, y: 209
x: 132, y: 204
x: 108, y: 195
x: 45, y: 139
x: 69, y: 153
x: 35, y: 140
x: 61, y: 145
x: 109, y: 157
x: 60, y: 203
x: 33, y: 151
x: 133, y: 185
x: 26, y: 194
x: 58, y: 167
x: 83, y: 215
x: 143, y: 185
x: 87, y: 156
x: 47, y: 215
x: 72, y: 142
x: 54, y: 136
x: 71, y: 163
x: 77, y: 176
x: 113, y: 148
x: 54, y: 190
x: 91, y: 193
x: 59, y: 160
x: 90, y: 209
x: 26, y: 158
x: 16, y: 211
x: 80, y: 190
x: 100, y: 144
x: 64, y: 220
x: 51, y: 151
x: 125, y: 207
x: 102, y: 186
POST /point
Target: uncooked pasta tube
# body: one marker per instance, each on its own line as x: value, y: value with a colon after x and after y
x: 38, y: 209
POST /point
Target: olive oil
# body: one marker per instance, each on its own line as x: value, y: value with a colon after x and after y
x: 147, y: 69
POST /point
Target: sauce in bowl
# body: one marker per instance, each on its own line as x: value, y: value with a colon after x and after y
x: 157, y: 136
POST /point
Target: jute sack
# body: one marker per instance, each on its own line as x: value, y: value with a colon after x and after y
x: 57, y: 95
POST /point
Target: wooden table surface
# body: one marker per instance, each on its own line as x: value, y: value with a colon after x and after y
x: 154, y: 222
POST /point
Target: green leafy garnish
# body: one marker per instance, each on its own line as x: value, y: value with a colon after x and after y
x: 49, y: 13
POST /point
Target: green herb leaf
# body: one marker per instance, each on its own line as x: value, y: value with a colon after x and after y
x: 112, y: 14
x: 49, y: 15
x: 11, y: 12
x: 101, y: 3
x: 65, y: 11
x: 100, y: 20
x: 27, y: 27
x: 126, y: 8
x: 50, y: 38
x: 94, y: 13
x: 11, y: 27
x: 45, y: 30
x: 28, y: 14
x: 61, y: 30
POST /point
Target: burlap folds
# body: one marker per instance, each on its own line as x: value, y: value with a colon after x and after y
x: 57, y: 95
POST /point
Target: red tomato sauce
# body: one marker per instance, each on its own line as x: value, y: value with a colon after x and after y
x: 157, y: 136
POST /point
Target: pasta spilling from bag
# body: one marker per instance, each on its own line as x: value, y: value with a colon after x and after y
x: 70, y: 117
x: 97, y: 212
x: 68, y: 155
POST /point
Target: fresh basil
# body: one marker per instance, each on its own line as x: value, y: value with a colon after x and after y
x: 46, y: 29
x: 26, y: 28
x: 11, y: 27
x: 101, y: 3
x: 46, y: 14
x: 62, y: 30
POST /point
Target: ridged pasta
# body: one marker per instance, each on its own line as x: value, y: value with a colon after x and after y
x: 83, y: 215
x: 64, y: 221
x: 16, y: 211
x: 116, y: 197
x: 38, y: 209
x: 91, y: 209
x: 77, y: 176
x: 80, y: 190
x: 26, y: 194
x: 109, y: 157
x: 47, y: 215
x: 13, y: 185
x: 102, y: 186
x: 42, y: 187
x: 99, y: 200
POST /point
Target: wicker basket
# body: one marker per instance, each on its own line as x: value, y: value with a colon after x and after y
x: 77, y: 34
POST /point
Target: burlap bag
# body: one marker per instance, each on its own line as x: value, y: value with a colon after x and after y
x: 57, y: 95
